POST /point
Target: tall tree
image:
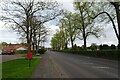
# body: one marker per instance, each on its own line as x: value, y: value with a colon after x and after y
x: 41, y: 34
x: 64, y: 33
x: 86, y: 23
x: 4, y: 43
x: 56, y: 41
x: 70, y: 26
x: 21, y: 14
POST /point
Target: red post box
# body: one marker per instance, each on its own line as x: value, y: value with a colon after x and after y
x: 29, y: 55
x: 29, y: 58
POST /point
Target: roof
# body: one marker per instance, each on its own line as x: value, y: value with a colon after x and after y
x: 10, y: 47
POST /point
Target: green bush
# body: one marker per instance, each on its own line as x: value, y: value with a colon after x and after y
x: 41, y: 51
x: 93, y: 46
x: 118, y: 46
x: 21, y: 52
x: 113, y: 47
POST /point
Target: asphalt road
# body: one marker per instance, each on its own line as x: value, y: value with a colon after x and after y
x: 76, y: 66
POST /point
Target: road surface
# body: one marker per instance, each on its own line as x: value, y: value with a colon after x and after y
x: 4, y: 58
x: 76, y: 66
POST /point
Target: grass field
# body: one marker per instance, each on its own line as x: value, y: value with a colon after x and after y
x: 19, y: 68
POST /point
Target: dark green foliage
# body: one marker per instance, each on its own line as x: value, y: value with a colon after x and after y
x: 74, y: 47
x: 80, y: 48
x: 113, y: 47
x: 100, y: 47
x: 42, y: 50
x: 104, y: 47
x: 33, y: 51
x: 93, y: 47
x: 118, y: 47
x: 21, y: 51
x: 107, y: 54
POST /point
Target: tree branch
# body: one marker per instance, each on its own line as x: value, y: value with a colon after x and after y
x: 111, y: 21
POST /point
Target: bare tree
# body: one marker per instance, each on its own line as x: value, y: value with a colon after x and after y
x: 21, y: 14
x: 41, y: 34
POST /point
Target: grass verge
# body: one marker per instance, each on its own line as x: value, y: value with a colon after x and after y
x: 34, y: 55
x: 18, y: 68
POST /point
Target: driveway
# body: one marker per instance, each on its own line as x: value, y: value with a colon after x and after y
x: 4, y: 58
x: 10, y: 57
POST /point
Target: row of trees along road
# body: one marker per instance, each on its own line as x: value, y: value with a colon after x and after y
x: 84, y: 22
x: 28, y: 17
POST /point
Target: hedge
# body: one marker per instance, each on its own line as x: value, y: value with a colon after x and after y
x: 108, y: 54
x: 42, y: 51
x: 21, y: 51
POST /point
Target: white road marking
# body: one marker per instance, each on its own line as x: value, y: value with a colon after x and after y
x: 88, y: 57
x: 86, y: 63
x: 100, y: 67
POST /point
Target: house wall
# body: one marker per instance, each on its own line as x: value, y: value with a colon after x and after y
x: 0, y: 51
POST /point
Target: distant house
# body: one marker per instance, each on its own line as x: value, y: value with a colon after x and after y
x: 17, y: 47
x: 0, y: 48
x: 21, y: 48
x: 0, y: 51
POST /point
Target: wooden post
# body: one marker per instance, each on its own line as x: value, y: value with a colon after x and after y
x: 29, y: 63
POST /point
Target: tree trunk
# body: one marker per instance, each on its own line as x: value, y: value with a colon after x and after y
x: 33, y: 48
x: 85, y: 43
x: 28, y: 33
x: 66, y: 45
x: 28, y: 43
x: 29, y: 46
x: 118, y: 21
x: 84, y: 37
x: 72, y: 43
x: 83, y: 25
x: 36, y: 48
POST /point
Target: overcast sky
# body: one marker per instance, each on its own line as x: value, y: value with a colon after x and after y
x: 7, y: 35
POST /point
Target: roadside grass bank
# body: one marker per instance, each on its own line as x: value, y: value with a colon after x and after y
x: 19, y: 69
x: 34, y: 55
x: 106, y: 54
x: 0, y: 70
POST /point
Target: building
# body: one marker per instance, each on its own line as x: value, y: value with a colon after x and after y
x: 16, y: 47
